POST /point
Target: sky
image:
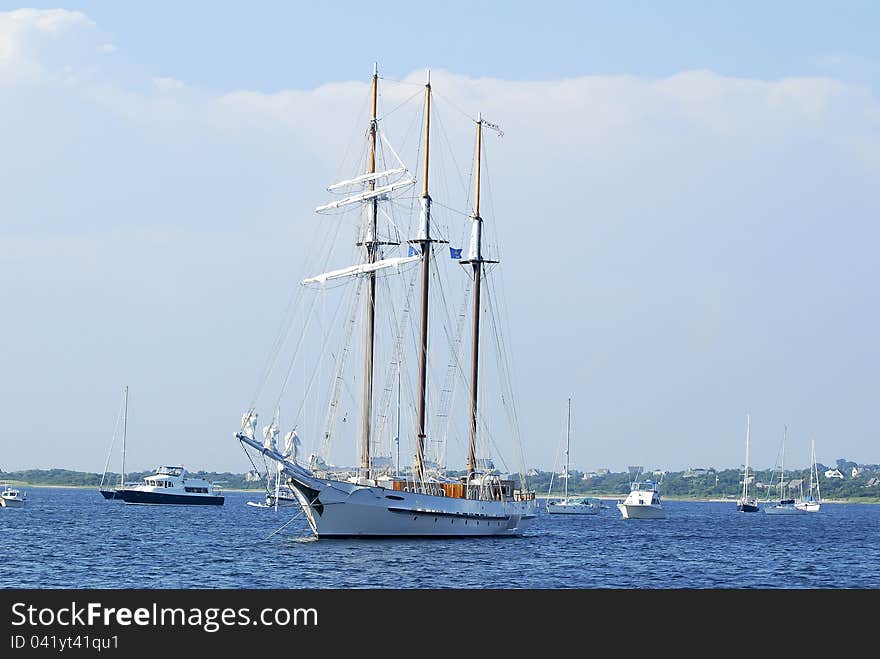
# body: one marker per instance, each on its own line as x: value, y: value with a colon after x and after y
x: 686, y: 193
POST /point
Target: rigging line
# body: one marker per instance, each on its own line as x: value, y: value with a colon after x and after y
x: 391, y: 148
x: 289, y: 315
x: 398, y: 329
x: 257, y: 471
x: 402, y: 103
x: 455, y: 348
x: 437, y: 115
x: 502, y: 355
x: 280, y: 339
x: 296, y: 352
x: 402, y: 82
x: 283, y: 526
x: 504, y: 365
x: 454, y: 106
x: 355, y: 134
x: 451, y: 209
x: 555, y: 463
x: 315, y: 371
x: 339, y: 368
x: 112, y: 444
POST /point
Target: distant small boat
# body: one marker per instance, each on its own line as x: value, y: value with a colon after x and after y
x: 643, y: 501
x: 746, y: 503
x: 569, y: 505
x: 171, y: 485
x: 785, y: 505
x: 810, y: 503
x: 283, y: 498
x: 12, y: 497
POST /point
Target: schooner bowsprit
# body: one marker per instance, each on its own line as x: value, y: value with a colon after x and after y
x: 377, y: 498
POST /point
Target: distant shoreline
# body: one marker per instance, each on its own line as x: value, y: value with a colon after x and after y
x: 605, y: 498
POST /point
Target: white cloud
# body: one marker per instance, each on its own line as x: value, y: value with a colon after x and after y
x: 37, y: 42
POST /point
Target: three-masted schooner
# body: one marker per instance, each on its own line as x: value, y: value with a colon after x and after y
x: 375, y: 502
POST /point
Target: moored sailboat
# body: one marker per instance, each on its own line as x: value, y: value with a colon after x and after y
x: 785, y: 504
x: 747, y: 503
x: 372, y: 500
x: 811, y: 503
x: 569, y: 505
x: 107, y: 491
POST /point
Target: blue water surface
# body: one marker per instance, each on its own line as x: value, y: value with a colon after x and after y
x: 73, y: 538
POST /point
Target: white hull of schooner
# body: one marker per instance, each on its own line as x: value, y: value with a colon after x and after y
x: 346, y: 509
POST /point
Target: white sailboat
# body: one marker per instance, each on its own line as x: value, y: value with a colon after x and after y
x: 107, y: 491
x: 569, y: 505
x: 375, y: 500
x: 811, y: 503
x: 785, y: 504
x: 747, y: 503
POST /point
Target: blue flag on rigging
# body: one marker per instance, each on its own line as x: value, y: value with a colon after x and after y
x: 454, y: 253
x: 413, y: 251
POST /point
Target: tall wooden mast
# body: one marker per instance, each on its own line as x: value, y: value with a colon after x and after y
x: 475, y: 259
x: 424, y: 242
x: 371, y: 245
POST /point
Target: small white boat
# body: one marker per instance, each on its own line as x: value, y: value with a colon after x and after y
x: 570, y: 505
x: 12, y: 497
x: 283, y: 497
x: 810, y: 503
x: 643, y: 501
x: 784, y: 505
x: 171, y: 485
x: 574, y: 506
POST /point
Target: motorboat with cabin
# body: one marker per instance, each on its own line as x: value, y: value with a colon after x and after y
x: 643, y: 501
x: 12, y: 497
x: 172, y: 485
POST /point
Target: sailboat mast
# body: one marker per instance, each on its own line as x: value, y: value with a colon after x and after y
x: 124, y: 432
x: 746, y: 472
x: 424, y: 241
x: 567, y: 446
x: 371, y: 245
x: 782, y: 465
x: 476, y: 259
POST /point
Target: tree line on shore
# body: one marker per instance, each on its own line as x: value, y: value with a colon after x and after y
x: 858, y: 481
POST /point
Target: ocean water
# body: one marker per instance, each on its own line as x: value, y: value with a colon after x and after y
x: 73, y: 538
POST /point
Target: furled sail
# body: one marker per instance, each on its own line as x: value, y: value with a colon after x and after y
x: 361, y: 268
x: 365, y: 196
x: 291, y: 444
x: 249, y: 423
x: 366, y: 178
x: 270, y: 433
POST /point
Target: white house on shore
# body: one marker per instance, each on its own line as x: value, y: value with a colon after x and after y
x: 834, y: 473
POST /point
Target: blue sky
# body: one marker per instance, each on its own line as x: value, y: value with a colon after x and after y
x: 688, y: 196
x: 271, y: 46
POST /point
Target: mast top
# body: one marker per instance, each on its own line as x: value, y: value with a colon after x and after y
x: 375, y: 68
x: 428, y: 78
